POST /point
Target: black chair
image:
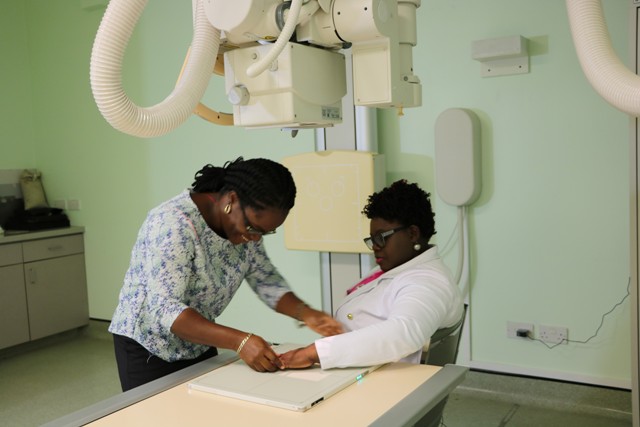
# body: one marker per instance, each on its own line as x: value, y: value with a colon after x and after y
x: 443, y: 349
x: 444, y: 344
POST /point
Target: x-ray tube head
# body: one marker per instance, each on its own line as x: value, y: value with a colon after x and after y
x: 302, y: 89
x: 298, y: 81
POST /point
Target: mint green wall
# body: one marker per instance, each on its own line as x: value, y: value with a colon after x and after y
x: 549, y: 233
x: 16, y: 129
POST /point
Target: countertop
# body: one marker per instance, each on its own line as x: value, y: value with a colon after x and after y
x: 11, y: 236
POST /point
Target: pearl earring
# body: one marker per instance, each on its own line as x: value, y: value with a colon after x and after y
x: 227, y: 209
x: 417, y: 247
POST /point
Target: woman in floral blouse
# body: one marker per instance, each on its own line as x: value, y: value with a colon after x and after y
x: 191, y: 255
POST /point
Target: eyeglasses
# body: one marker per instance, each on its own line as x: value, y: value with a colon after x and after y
x: 379, y: 239
x: 252, y: 230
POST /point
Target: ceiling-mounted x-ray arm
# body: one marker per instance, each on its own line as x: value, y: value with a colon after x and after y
x: 296, y: 82
x: 602, y: 67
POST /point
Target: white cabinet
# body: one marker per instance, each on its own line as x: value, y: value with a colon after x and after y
x: 14, y: 322
x: 43, y: 288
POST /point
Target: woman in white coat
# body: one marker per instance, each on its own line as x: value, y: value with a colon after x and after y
x: 396, y: 308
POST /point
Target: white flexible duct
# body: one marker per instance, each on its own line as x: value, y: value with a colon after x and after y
x: 289, y: 26
x: 604, y: 70
x: 109, y: 46
x: 462, y: 273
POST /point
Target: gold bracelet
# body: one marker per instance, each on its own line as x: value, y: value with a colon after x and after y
x: 244, y: 341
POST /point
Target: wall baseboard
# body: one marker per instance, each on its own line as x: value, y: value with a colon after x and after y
x: 624, y: 384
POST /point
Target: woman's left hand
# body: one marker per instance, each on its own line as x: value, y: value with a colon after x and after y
x: 321, y: 322
x: 299, y: 358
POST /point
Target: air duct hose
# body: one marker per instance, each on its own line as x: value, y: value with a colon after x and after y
x: 107, y: 55
x: 286, y: 33
x: 602, y: 67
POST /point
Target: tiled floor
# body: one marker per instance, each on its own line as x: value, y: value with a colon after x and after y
x: 492, y: 400
x: 42, y: 381
x: 45, y: 380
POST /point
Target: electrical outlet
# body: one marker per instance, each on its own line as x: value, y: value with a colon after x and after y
x: 74, y: 205
x: 512, y: 329
x: 553, y: 334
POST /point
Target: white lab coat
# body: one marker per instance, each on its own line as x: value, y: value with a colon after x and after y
x: 391, y: 318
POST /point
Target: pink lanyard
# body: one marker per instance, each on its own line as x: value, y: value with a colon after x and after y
x: 366, y: 280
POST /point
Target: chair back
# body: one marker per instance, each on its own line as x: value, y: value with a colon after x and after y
x: 444, y: 344
x: 443, y: 349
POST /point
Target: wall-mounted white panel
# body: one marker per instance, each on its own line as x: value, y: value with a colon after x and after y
x: 333, y: 187
x: 457, y: 148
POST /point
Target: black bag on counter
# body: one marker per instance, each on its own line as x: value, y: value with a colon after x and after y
x: 38, y: 219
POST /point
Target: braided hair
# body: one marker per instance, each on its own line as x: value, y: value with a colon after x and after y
x: 405, y: 203
x: 259, y: 183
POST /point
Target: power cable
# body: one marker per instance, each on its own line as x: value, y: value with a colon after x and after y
x: 597, y: 330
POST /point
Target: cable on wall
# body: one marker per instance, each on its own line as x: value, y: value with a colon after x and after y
x: 564, y: 340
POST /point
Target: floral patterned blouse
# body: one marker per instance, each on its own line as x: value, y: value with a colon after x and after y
x: 179, y: 262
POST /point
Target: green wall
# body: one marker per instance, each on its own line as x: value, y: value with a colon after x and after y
x: 549, y: 234
x: 16, y: 111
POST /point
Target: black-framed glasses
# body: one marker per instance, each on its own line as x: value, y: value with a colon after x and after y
x: 379, y: 238
x: 252, y: 230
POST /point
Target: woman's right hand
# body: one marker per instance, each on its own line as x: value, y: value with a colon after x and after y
x: 256, y: 352
x: 259, y: 356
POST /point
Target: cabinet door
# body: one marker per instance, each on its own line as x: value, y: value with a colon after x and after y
x: 56, y: 295
x: 14, y: 322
